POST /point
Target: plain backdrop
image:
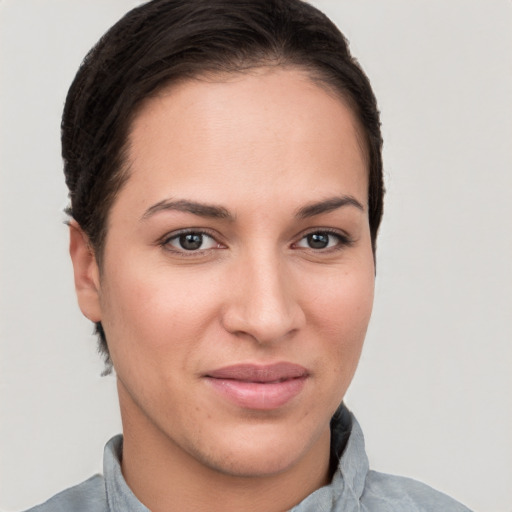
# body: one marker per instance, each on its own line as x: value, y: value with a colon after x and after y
x: 433, y: 389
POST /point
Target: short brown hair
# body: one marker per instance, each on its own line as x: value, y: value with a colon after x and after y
x: 164, y: 41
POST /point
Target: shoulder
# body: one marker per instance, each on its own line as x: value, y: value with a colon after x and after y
x: 89, y: 496
x: 384, y: 492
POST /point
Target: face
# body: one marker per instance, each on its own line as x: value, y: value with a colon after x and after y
x: 238, y: 275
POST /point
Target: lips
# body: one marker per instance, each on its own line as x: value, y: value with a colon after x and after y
x: 259, y: 387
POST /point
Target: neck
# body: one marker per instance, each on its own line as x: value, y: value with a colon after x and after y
x: 165, y: 477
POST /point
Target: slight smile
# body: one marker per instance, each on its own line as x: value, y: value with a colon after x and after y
x: 259, y: 387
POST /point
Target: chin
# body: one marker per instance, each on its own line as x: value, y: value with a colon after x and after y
x: 257, y: 462
x: 262, y: 451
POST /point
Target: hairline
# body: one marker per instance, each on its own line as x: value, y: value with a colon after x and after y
x: 213, y: 74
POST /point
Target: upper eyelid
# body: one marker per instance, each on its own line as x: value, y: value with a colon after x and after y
x: 343, y: 235
x: 185, y: 231
x: 331, y: 231
x: 165, y: 243
x: 344, y: 239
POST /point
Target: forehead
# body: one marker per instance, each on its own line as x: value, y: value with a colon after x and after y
x: 269, y: 127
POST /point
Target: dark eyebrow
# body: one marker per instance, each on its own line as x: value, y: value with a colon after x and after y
x: 182, y: 205
x: 328, y: 205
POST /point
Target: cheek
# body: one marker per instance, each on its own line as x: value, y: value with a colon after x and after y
x: 153, y: 312
x: 344, y: 300
x: 159, y: 321
x: 341, y: 314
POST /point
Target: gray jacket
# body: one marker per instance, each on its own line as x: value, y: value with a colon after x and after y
x: 354, y: 486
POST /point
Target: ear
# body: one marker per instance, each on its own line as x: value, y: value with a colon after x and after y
x: 86, y: 272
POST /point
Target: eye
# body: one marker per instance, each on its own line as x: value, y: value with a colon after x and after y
x: 319, y: 240
x: 190, y: 241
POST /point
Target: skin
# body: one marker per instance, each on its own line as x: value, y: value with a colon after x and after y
x: 262, y: 146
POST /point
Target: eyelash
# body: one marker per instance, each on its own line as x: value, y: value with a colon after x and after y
x: 342, y: 241
x: 165, y: 242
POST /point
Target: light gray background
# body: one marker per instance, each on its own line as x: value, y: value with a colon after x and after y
x: 433, y: 390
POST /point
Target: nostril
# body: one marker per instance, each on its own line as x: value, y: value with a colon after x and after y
x: 263, y: 326
x: 263, y: 305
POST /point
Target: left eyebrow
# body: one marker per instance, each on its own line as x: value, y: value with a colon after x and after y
x: 328, y: 205
x: 199, y: 209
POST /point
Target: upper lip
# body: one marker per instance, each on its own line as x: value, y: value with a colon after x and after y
x: 259, y: 372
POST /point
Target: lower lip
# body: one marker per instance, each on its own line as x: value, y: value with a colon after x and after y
x: 258, y: 395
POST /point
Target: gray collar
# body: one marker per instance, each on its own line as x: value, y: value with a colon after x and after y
x: 120, y: 498
x: 343, y: 493
x: 348, y: 482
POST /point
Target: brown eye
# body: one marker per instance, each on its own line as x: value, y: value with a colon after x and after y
x: 319, y: 240
x: 191, y: 241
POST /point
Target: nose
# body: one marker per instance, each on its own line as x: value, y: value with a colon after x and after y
x: 262, y: 301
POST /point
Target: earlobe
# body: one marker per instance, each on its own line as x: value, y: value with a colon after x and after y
x: 86, y: 272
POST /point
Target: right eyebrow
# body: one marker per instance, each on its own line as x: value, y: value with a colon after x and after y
x: 183, y: 205
x: 328, y: 205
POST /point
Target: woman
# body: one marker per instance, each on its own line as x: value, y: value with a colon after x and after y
x: 224, y: 167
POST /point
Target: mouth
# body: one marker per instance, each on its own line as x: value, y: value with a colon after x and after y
x: 258, y: 387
